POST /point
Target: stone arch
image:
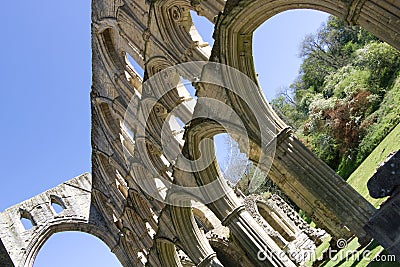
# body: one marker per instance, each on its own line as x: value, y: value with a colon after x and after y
x: 80, y: 215
x: 162, y: 147
x: 228, y: 208
x: 375, y: 16
x: 190, y: 239
x: 201, y: 220
x: 151, y: 155
x: 133, y: 29
x: 121, y: 184
x: 107, y: 115
x: 156, y: 112
x: 176, y: 26
x: 143, y: 206
x: 145, y: 179
x: 162, y: 86
x: 167, y: 88
x: 228, y: 253
x: 156, y: 64
x: 137, y: 225
x: 333, y: 205
x: 199, y: 131
x: 107, y: 33
x: 234, y: 31
x: 107, y: 169
x: 167, y: 253
x: 70, y: 224
x: 113, y: 56
x: 111, y: 213
x: 153, y: 152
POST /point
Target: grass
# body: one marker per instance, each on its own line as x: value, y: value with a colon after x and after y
x: 358, y: 180
x: 352, y: 255
x: 319, y: 251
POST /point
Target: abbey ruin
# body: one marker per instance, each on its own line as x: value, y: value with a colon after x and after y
x: 156, y: 195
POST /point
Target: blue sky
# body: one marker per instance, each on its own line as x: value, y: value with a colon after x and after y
x: 45, y: 76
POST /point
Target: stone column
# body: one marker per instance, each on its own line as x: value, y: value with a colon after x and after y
x: 318, y: 190
x: 254, y: 240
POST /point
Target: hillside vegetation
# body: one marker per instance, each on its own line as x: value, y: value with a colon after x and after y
x: 345, y: 106
x: 346, y: 98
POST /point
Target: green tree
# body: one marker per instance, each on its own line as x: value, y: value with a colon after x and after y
x: 338, y: 103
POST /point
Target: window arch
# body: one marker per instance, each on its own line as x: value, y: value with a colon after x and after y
x: 108, y: 36
x: 27, y: 219
x: 202, y: 221
x: 57, y: 204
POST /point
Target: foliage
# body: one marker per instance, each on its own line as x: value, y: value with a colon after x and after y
x: 330, y: 49
x: 381, y: 60
x: 303, y: 215
x: 345, y: 99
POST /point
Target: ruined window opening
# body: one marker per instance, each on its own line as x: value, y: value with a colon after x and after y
x: 231, y: 161
x: 57, y: 204
x: 177, y: 128
x: 182, y: 113
x: 134, y: 74
x: 203, y: 30
x: 186, y: 89
x: 56, y: 207
x: 127, y: 140
x: 167, y: 168
x: 161, y: 187
x: 203, y: 27
x: 165, y: 160
x: 134, y: 66
x: 128, y: 131
x: 27, y: 220
x: 180, y: 123
x: 150, y: 230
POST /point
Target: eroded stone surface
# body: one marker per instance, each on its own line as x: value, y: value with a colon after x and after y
x: 139, y: 228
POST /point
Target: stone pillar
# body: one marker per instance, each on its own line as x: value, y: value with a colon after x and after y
x: 254, y: 240
x: 192, y: 239
x: 310, y: 183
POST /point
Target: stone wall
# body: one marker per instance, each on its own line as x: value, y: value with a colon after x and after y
x: 139, y: 202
